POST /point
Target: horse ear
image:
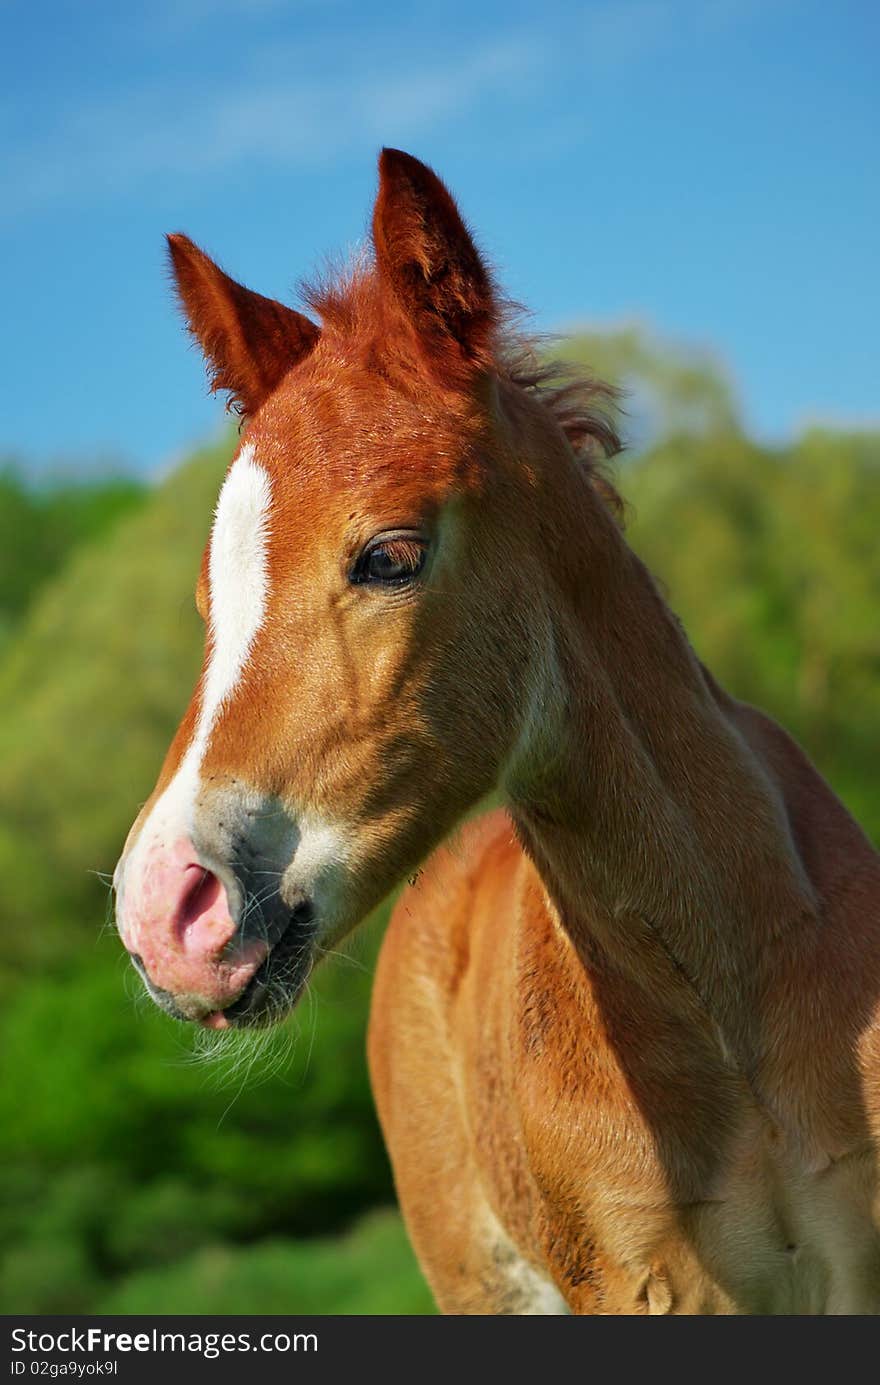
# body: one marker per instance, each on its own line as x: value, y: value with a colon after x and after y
x: 249, y: 341
x: 425, y: 254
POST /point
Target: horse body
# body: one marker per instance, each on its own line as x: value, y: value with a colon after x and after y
x: 573, y: 1133
x: 624, y: 1038
x: 653, y: 1084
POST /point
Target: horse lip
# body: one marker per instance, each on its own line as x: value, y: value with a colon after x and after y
x: 163, y: 999
x: 247, y: 1008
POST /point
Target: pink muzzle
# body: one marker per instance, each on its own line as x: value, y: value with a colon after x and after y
x: 175, y: 917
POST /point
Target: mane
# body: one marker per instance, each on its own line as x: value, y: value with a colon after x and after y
x: 348, y: 301
x: 582, y: 405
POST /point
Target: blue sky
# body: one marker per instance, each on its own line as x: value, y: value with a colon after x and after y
x: 708, y: 167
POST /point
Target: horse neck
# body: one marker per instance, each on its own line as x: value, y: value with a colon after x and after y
x: 662, y: 842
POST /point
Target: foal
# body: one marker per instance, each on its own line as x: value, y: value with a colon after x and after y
x: 624, y: 1037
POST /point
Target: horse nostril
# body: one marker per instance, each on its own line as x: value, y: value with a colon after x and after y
x: 202, y: 896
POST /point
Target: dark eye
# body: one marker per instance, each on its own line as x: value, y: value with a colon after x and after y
x: 391, y: 560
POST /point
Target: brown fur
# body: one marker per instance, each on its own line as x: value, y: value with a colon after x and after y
x: 624, y: 1039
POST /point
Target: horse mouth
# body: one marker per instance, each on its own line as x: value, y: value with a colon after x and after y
x: 271, y: 992
x: 279, y: 980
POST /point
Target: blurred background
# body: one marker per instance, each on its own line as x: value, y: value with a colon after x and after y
x: 688, y: 189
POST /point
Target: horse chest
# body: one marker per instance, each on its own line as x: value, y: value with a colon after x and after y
x: 782, y: 1237
x: 769, y: 1235
x: 663, y: 1185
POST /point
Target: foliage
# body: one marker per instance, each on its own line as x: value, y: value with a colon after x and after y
x: 369, y: 1270
x: 41, y: 525
x: 770, y: 557
x: 137, y: 1179
x: 124, y: 1141
x: 666, y: 389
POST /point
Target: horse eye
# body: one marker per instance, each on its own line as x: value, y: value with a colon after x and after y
x: 392, y: 560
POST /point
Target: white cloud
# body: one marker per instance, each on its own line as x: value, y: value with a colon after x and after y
x: 161, y: 129
x: 279, y: 106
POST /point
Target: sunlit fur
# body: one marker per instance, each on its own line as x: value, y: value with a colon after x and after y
x: 624, y: 1038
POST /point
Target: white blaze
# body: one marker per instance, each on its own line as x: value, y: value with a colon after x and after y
x: 238, y: 577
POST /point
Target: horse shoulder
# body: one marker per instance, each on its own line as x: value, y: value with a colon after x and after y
x: 422, y: 1041
x: 426, y: 953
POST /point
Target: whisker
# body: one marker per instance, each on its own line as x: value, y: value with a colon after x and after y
x: 344, y: 957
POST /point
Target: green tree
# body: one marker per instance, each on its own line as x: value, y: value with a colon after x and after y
x: 42, y: 523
